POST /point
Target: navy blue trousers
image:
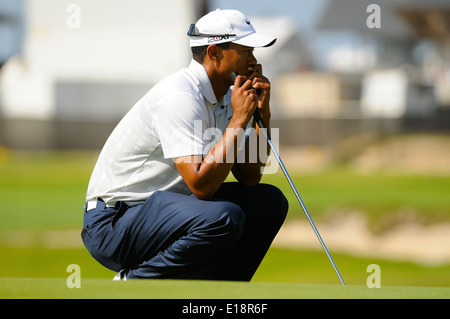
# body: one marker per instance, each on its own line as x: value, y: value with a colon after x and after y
x: 181, y: 237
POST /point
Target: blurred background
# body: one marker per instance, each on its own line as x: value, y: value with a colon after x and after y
x: 360, y: 94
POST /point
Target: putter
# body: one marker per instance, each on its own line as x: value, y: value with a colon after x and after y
x: 261, y: 124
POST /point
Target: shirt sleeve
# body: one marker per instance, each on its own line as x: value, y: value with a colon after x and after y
x: 179, y: 122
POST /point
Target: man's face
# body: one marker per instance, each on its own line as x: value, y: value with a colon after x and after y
x: 238, y: 58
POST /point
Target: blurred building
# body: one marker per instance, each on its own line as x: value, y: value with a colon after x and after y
x: 85, y: 63
x: 391, y: 78
x: 398, y: 74
x: 430, y: 22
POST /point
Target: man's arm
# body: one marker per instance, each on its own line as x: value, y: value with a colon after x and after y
x: 205, y: 175
x: 250, y: 172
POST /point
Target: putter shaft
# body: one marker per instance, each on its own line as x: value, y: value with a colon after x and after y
x: 261, y: 124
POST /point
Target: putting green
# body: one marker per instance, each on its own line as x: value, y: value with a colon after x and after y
x: 34, y: 187
x: 43, y: 288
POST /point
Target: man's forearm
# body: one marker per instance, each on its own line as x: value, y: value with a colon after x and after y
x: 249, y: 171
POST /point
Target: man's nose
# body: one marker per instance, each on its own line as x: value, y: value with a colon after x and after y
x: 252, y: 60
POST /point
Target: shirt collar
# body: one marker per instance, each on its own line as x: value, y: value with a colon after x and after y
x: 204, y: 83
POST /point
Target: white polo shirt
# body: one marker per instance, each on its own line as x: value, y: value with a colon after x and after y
x: 168, y: 122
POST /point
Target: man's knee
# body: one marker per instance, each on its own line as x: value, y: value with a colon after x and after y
x: 227, y: 218
x: 214, y: 232
x: 283, y: 202
x: 276, y: 198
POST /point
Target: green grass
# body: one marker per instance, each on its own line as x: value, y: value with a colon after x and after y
x: 172, y: 289
x: 379, y: 196
x: 279, y: 266
x: 44, y: 191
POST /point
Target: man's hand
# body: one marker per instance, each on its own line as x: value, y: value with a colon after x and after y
x: 243, y: 100
x: 247, y: 172
x: 246, y: 89
x: 262, y: 87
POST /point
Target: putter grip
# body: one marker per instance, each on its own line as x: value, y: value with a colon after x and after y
x: 256, y: 114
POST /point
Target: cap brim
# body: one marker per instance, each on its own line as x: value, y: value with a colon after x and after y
x: 256, y: 40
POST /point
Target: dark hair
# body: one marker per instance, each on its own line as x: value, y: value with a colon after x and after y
x: 198, y: 53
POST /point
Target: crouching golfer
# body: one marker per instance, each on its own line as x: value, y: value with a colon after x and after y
x: 157, y: 205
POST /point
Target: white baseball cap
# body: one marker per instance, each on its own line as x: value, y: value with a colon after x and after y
x: 222, y: 26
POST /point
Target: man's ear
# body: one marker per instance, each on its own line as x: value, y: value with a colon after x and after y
x: 214, y: 53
